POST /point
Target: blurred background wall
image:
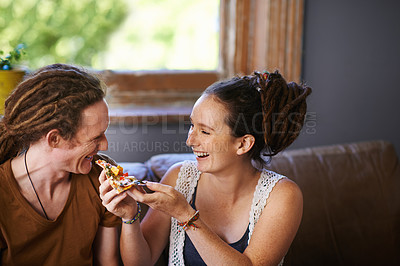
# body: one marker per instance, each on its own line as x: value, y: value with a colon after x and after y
x: 351, y: 60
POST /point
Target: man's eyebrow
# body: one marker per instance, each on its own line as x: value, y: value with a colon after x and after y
x: 98, y: 136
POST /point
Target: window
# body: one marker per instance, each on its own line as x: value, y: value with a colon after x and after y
x: 114, y: 34
x: 167, y: 34
x: 253, y: 34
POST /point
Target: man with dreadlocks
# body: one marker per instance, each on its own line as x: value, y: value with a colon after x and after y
x: 51, y: 214
x: 224, y: 208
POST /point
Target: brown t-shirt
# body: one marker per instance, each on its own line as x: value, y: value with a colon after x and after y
x: 27, y: 238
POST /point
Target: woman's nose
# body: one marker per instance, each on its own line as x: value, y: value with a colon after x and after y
x: 190, y: 139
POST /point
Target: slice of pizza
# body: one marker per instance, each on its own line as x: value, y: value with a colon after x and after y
x: 116, y: 177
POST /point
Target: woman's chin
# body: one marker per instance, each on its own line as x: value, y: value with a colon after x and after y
x: 201, y: 166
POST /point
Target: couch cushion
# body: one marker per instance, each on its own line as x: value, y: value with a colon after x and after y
x: 139, y: 170
x: 351, y: 202
x: 159, y: 164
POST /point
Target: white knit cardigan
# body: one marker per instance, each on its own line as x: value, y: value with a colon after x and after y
x: 186, y: 184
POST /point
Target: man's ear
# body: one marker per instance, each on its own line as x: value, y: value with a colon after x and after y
x: 246, y: 143
x: 53, y: 138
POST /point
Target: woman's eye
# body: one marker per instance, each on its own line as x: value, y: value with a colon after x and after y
x: 205, y: 132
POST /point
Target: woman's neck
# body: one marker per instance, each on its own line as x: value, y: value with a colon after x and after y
x: 240, y: 179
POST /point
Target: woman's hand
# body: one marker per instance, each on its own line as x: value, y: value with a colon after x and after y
x: 165, y: 199
x: 119, y: 204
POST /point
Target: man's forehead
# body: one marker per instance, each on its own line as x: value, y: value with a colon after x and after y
x: 91, y: 118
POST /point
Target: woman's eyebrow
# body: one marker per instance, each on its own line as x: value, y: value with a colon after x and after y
x: 201, y: 124
x: 206, y: 126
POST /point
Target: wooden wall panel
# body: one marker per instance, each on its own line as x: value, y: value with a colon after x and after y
x: 262, y: 34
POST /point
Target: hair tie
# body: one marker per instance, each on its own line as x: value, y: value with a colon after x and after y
x: 265, y: 75
x: 261, y: 79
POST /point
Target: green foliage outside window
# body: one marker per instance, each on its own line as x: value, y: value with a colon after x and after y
x: 113, y: 34
x: 166, y: 34
x: 61, y: 31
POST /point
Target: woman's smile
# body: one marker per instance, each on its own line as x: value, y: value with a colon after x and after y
x: 201, y: 154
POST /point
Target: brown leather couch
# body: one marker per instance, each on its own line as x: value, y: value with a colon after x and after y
x: 351, y: 201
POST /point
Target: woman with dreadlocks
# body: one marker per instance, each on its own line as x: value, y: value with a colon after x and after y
x: 224, y: 208
x: 51, y: 213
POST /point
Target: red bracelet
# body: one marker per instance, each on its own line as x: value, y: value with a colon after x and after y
x: 190, y: 222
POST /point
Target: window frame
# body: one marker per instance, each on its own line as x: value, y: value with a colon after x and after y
x: 254, y: 35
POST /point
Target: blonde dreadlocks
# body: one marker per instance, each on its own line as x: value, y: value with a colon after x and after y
x: 51, y: 98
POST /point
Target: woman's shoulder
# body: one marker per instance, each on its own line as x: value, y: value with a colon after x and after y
x: 287, y: 185
x: 281, y: 186
x: 286, y: 190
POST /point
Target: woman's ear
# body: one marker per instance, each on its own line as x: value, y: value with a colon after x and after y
x: 246, y: 143
x: 53, y: 138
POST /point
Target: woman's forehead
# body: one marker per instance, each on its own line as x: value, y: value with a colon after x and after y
x: 209, y: 111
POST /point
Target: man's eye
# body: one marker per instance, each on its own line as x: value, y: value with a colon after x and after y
x: 205, y: 132
x: 99, y: 137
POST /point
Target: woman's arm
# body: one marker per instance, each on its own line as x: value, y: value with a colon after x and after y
x: 143, y: 245
x: 278, y: 224
x: 272, y: 236
x: 125, y: 207
x: 105, y: 246
x: 155, y: 226
x: 270, y: 241
x: 141, y: 242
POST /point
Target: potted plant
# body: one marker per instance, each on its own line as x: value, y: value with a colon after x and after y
x: 10, y: 73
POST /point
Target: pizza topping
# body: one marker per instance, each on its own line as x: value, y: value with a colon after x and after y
x: 117, y: 178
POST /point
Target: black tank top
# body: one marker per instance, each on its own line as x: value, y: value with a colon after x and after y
x: 190, y: 254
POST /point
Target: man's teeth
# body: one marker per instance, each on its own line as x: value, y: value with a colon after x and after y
x: 200, y: 154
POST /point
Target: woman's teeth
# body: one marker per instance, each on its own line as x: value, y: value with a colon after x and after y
x: 200, y: 154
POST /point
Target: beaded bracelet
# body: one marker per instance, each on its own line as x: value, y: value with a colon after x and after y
x: 136, y: 216
x: 190, y: 222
